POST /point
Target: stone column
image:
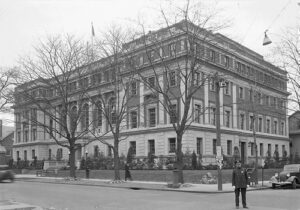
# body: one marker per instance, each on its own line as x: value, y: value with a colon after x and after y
x: 161, y: 109
x: 221, y: 106
x: 141, y: 111
x: 206, y: 102
x: 122, y: 102
x: 234, y: 107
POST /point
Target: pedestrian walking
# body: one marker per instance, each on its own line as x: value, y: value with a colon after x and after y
x: 239, y: 182
x: 127, y: 172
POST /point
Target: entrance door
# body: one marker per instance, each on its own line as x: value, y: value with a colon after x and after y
x: 243, y: 145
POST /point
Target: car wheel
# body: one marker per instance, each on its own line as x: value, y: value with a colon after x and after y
x: 273, y: 186
x: 294, y: 184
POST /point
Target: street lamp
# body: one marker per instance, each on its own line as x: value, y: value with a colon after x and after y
x: 219, y: 83
x: 266, y: 40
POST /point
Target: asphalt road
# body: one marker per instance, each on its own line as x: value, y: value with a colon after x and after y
x: 78, y: 197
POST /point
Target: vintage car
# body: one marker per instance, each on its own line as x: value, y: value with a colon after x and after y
x: 6, y: 174
x: 290, y: 176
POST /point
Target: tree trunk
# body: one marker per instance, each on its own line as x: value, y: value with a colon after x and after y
x: 117, y: 164
x: 179, y: 158
x: 72, y: 162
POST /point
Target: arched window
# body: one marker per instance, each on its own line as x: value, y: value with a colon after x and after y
x: 85, y: 117
x: 98, y: 114
x: 96, y: 151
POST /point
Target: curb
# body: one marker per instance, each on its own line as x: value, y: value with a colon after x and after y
x: 133, y: 187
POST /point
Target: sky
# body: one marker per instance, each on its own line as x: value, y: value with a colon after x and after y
x: 24, y: 22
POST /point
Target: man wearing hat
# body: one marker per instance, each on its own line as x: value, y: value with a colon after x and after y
x: 239, y: 182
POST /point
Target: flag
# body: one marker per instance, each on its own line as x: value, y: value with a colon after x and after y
x: 93, y: 32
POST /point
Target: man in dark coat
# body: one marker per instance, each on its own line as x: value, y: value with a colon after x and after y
x: 127, y: 172
x: 239, y: 182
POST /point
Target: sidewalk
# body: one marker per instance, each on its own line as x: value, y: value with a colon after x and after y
x: 140, y: 185
x: 134, y: 185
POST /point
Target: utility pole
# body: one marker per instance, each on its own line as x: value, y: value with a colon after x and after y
x: 255, y: 148
x: 218, y: 132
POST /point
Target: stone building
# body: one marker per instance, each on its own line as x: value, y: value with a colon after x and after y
x: 253, y: 90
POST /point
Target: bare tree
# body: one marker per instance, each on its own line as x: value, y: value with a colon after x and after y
x: 7, y: 82
x: 287, y: 56
x: 55, y: 91
x: 175, y: 73
x: 113, y: 100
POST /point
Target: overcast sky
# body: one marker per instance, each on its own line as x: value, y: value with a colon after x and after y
x: 23, y: 22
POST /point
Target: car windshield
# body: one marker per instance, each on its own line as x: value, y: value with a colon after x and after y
x: 291, y: 168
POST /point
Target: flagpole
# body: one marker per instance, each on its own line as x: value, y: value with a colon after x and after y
x: 92, y: 40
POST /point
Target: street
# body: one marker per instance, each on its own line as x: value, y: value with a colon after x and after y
x: 78, y: 197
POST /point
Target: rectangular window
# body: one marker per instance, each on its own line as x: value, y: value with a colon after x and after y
x: 133, y: 146
x: 267, y: 100
x: 151, y: 146
x: 275, y: 102
x: 242, y: 121
x: 252, y: 148
x: 96, y: 151
x: 172, y: 145
x: 269, y: 149
x: 227, y: 88
x: 251, y: 95
x: 241, y: 92
x: 197, y: 78
x: 251, y: 123
x: 151, y: 82
x: 32, y: 154
x: 133, y: 119
x: 261, y: 149
x: 259, y: 124
x: 106, y: 76
x: 25, y: 155
x: 276, y: 147
x: 50, y: 154
x: 212, y: 55
x: 19, y: 136
x: 33, y: 134
x: 173, y: 113
x: 172, y: 49
x: 152, y: 117
x: 18, y: 155
x: 51, y: 128
x: 26, y: 136
x: 133, y: 88
x: 227, y: 119
x: 282, y: 128
x: 172, y: 78
x: 199, y: 146
x: 197, y: 113
x: 214, y: 146
x: 213, y: 116
x: 109, y: 151
x: 229, y: 147
x: 275, y: 127
x: 99, y: 114
x: 226, y: 61
x: 268, y: 126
